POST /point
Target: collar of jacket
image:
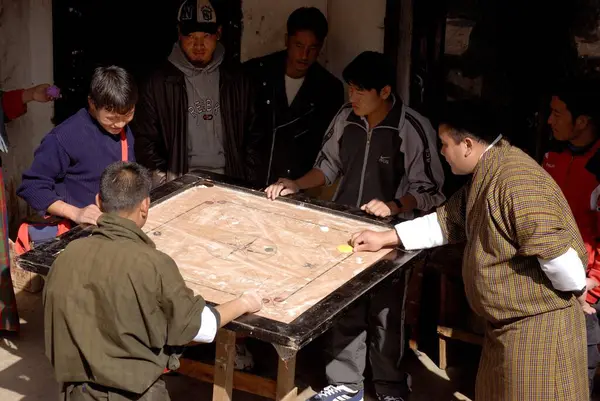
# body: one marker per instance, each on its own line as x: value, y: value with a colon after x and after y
x: 116, y: 228
x: 391, y: 120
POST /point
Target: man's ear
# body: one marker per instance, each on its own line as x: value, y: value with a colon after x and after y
x: 145, y: 207
x: 582, y: 122
x: 98, y: 201
x: 386, y: 92
x: 287, y: 39
x: 468, y: 146
x: 91, y: 104
x: 219, y: 32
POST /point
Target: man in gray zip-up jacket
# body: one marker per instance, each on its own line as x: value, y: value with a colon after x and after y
x: 385, y: 152
x: 387, y: 157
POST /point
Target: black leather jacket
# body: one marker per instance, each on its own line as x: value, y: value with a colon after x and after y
x: 294, y: 132
x: 160, y: 125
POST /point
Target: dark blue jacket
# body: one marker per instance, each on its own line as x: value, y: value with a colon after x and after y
x: 69, y: 162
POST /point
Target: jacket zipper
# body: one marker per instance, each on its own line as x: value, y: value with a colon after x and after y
x: 364, y: 168
x: 275, y: 129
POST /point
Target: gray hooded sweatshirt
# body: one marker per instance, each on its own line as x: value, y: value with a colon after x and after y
x: 205, y: 130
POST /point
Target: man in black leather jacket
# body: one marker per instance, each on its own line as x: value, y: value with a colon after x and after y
x: 297, y: 98
x: 196, y: 112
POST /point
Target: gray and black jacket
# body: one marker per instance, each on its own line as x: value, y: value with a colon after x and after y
x: 399, y: 156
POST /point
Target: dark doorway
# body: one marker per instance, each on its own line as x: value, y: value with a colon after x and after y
x: 134, y: 34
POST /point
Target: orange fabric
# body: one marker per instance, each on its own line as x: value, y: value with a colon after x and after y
x: 23, y: 244
x: 124, y: 145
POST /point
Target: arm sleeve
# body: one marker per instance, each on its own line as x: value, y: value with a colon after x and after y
x: 50, y: 163
x: 150, y: 150
x: 185, y: 312
x: 328, y: 159
x: 538, y: 216
x: 451, y: 216
x: 421, y: 233
x: 422, y: 163
x: 210, y: 324
x: 12, y: 104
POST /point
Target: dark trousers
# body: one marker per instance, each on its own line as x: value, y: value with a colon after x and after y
x: 92, y: 392
x: 373, y: 327
x: 593, y: 340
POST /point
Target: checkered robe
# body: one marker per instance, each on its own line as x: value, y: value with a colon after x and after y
x: 511, y: 213
x: 9, y: 318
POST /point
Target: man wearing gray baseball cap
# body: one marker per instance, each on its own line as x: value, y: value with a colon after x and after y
x: 196, y: 112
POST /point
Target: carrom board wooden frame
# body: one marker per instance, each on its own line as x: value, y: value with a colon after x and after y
x: 287, y: 338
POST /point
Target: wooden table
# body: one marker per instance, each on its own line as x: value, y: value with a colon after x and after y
x: 287, y: 336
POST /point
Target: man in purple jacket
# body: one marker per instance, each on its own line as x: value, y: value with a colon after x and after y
x: 65, y: 175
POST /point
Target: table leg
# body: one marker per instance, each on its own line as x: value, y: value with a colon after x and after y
x: 224, y: 365
x: 286, y: 380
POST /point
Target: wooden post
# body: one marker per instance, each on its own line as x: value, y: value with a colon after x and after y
x: 286, y: 380
x: 224, y: 365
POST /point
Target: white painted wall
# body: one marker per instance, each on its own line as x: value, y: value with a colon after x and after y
x: 353, y: 28
x: 25, y: 60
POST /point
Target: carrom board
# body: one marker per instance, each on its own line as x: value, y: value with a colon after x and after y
x: 227, y: 241
x: 227, y: 238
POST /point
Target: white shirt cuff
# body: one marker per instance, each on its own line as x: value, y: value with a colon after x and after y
x: 421, y: 233
x: 566, y: 272
x: 208, y: 326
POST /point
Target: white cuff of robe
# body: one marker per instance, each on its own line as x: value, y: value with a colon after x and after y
x: 421, y: 233
x: 208, y: 326
x: 566, y: 272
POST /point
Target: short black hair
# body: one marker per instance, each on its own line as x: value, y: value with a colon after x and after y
x: 582, y: 97
x: 370, y: 70
x: 114, y: 89
x: 472, y: 118
x: 123, y: 186
x: 308, y: 19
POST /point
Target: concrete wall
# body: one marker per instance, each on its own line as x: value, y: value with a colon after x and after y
x: 25, y: 60
x: 353, y: 28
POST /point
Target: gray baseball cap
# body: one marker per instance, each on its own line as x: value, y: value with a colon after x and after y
x: 197, y: 16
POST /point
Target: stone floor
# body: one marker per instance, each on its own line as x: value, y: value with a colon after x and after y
x: 26, y: 375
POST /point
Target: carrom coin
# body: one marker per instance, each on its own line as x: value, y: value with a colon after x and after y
x: 157, y: 233
x: 209, y: 202
x: 266, y: 300
x: 269, y: 249
x: 278, y: 299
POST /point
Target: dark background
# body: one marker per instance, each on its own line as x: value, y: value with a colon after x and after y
x: 134, y: 34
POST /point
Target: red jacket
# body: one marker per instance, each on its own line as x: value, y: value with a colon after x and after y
x: 12, y: 104
x: 578, y: 175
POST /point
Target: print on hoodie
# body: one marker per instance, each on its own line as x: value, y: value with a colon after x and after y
x: 205, y: 131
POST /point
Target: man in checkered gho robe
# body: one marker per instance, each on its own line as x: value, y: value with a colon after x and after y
x: 523, y: 266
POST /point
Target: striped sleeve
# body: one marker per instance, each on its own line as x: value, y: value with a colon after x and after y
x: 540, y: 220
x: 451, y: 216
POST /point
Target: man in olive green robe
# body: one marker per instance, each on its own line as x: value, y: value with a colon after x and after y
x: 523, y: 264
x: 116, y: 308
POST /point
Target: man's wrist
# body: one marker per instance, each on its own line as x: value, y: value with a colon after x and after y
x: 27, y: 95
x: 391, y: 238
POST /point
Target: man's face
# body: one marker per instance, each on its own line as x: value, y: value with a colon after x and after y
x: 303, y: 49
x: 111, y: 121
x: 364, y: 101
x: 561, y: 120
x: 199, y: 47
x: 454, y: 153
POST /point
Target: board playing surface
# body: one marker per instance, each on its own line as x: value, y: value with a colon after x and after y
x: 226, y: 242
